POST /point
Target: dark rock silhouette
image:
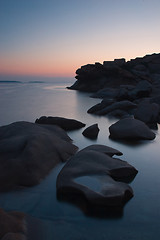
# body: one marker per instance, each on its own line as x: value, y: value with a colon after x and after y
x: 130, y: 129
x: 65, y: 123
x: 93, y: 77
x: 12, y: 225
x: 91, y: 132
x: 28, y: 151
x: 119, y: 81
x: 122, y: 105
x: 94, y: 174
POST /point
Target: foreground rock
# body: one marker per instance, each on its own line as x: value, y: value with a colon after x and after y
x: 65, y: 123
x: 94, y: 174
x: 131, y: 129
x: 12, y: 225
x: 91, y: 132
x: 29, y: 151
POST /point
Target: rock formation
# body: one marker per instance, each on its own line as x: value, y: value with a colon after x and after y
x: 130, y: 129
x: 93, y: 77
x: 91, y: 132
x: 94, y: 174
x: 118, y: 82
x: 28, y: 151
x: 65, y: 123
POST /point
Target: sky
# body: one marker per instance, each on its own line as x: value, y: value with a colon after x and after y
x: 52, y: 38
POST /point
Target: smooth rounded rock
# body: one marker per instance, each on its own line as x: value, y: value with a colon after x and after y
x: 131, y: 129
x: 29, y: 151
x: 94, y: 174
x: 91, y: 132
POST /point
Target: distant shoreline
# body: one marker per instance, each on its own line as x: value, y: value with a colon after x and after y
x: 5, y: 81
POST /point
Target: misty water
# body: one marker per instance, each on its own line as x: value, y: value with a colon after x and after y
x: 51, y: 218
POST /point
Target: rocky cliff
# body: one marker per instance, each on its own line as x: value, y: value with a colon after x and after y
x: 93, y: 77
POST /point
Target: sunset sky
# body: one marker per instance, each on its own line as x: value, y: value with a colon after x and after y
x: 52, y: 38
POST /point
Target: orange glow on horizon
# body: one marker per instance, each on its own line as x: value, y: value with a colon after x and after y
x: 20, y: 68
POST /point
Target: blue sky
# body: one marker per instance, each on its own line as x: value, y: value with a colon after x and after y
x: 53, y: 38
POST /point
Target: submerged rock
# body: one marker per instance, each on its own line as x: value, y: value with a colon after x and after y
x: 94, y: 174
x: 132, y: 129
x: 29, y: 151
x: 65, y: 123
x: 91, y: 132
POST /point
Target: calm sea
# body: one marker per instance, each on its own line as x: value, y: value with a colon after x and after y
x: 53, y: 219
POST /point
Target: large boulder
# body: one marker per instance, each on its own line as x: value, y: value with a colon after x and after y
x: 91, y: 132
x: 65, y: 123
x: 130, y: 129
x: 96, y: 176
x: 29, y: 151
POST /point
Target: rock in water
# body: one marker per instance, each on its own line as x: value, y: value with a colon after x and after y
x: 132, y: 129
x: 92, y: 173
x: 91, y: 132
x: 28, y: 151
x: 65, y: 123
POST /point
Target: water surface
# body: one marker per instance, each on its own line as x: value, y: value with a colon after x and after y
x: 62, y: 220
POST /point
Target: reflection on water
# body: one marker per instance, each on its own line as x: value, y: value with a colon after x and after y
x: 62, y: 220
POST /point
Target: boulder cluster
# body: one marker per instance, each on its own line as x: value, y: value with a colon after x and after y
x: 127, y: 88
x: 28, y: 151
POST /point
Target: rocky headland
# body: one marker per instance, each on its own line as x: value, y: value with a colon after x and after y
x: 127, y: 88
